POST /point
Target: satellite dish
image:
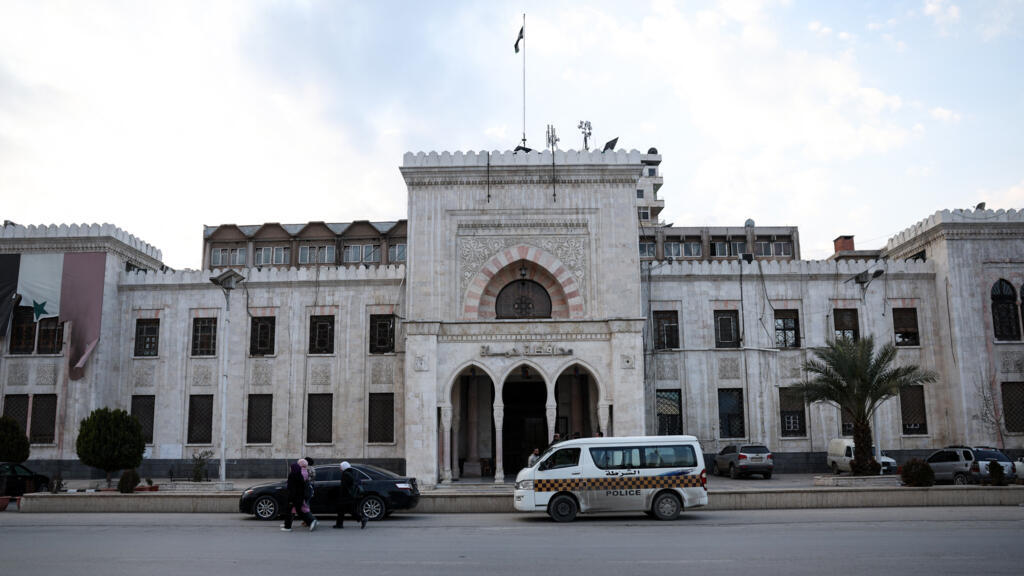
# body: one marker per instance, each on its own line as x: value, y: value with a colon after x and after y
x: 610, y: 145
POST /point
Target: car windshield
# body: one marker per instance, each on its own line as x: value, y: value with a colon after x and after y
x: 755, y: 450
x: 991, y: 455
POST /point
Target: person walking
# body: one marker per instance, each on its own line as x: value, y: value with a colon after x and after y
x: 297, y: 500
x: 348, y: 497
x: 308, y: 476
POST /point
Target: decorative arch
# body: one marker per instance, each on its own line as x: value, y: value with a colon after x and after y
x: 446, y: 394
x: 1005, y: 315
x: 602, y: 393
x: 504, y: 267
x: 549, y: 384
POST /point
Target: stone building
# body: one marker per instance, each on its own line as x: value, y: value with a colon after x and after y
x: 526, y: 294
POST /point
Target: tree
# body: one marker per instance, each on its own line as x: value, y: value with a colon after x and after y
x: 14, y: 445
x: 110, y: 440
x: 851, y: 374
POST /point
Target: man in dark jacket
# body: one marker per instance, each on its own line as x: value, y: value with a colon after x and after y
x: 348, y: 496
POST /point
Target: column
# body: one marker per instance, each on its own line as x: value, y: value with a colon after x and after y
x: 456, y: 411
x: 421, y: 401
x: 446, y: 435
x: 550, y: 411
x: 472, y: 414
x: 602, y: 415
x: 499, y: 420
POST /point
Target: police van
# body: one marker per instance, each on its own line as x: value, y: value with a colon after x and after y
x: 659, y: 475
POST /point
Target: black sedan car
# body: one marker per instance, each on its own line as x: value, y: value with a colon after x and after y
x: 16, y: 479
x: 383, y: 493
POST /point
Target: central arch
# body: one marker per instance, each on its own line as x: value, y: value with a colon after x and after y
x: 507, y: 266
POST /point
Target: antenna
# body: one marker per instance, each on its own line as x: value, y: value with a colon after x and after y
x: 552, y: 138
x: 584, y: 127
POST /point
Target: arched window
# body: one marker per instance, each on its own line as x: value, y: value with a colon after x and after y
x: 1005, y: 317
x: 523, y: 299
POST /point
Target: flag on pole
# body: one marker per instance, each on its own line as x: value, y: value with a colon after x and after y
x: 520, y: 38
x: 39, y: 279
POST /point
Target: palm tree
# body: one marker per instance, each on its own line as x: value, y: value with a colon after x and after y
x: 851, y: 374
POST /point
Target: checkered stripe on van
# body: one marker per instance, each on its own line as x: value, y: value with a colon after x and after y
x: 617, y: 483
x: 557, y: 484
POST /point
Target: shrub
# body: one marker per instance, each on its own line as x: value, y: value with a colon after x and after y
x: 14, y: 446
x: 129, y: 480
x: 873, y: 468
x: 199, y: 462
x: 110, y: 440
x: 996, y: 474
x: 917, y: 472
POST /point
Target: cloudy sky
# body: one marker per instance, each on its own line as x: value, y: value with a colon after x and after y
x: 841, y: 118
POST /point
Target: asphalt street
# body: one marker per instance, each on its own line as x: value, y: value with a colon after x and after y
x: 791, y: 542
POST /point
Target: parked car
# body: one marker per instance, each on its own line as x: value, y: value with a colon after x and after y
x: 16, y: 479
x: 743, y: 460
x: 966, y: 465
x: 383, y: 493
x: 840, y: 453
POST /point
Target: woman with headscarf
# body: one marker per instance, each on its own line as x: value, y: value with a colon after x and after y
x: 297, y: 499
x: 348, y: 496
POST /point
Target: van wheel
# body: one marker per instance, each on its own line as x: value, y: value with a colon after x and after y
x: 835, y: 468
x: 562, y: 508
x: 960, y: 479
x: 666, y: 506
x: 733, y: 473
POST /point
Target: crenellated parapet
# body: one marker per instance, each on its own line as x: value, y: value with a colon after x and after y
x: 510, y: 158
x: 979, y: 217
x: 64, y: 232
x: 843, y: 268
x: 270, y: 275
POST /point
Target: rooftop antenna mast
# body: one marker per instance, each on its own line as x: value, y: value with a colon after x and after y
x: 522, y: 38
x: 552, y: 139
x: 584, y: 127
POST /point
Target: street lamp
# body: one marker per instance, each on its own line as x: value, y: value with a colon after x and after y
x: 227, y: 281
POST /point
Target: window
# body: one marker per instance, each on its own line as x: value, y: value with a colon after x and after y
x: 200, y: 419
x: 382, y: 418
x: 673, y: 250
x: 321, y: 335
x: 1013, y: 407
x: 791, y: 413
x: 679, y: 456
x: 719, y: 249
x: 44, y: 419
x: 16, y: 407
x: 282, y: 255
x: 1005, y: 319
x: 670, y: 412
x: 227, y: 257
x: 730, y: 413
x: 727, y: 334
x: 147, y: 337
x: 316, y: 254
x: 644, y: 213
x: 762, y: 248
x: 691, y: 249
x: 263, y: 256
x: 23, y: 331
x: 523, y: 299
x: 258, y: 423
x: 943, y: 456
x: 204, y: 336
x: 396, y: 253
x: 319, y: 418
x: 261, y: 336
x: 666, y: 330
x: 640, y: 194
x: 564, y: 458
x: 622, y: 458
x: 382, y: 333
x: 371, y: 253
x: 904, y: 324
x: 51, y: 336
x: 652, y: 172
x: 783, y: 248
x: 738, y: 248
x: 143, y: 408
x: 912, y: 411
x: 352, y: 253
x: 646, y: 249
x: 845, y: 423
x: 846, y: 323
x: 787, y: 329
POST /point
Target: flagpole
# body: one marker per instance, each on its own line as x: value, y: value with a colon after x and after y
x: 524, y: 79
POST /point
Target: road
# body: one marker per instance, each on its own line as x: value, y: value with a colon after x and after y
x: 791, y: 542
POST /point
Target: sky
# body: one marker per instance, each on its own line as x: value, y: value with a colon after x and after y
x: 838, y: 117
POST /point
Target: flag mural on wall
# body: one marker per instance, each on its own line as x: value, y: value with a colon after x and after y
x: 66, y: 285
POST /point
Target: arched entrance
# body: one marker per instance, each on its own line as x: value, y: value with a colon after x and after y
x: 469, y: 427
x: 524, y: 396
x: 576, y: 400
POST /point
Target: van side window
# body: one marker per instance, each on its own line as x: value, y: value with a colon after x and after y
x: 616, y: 458
x: 564, y: 458
x: 669, y: 457
x: 849, y: 452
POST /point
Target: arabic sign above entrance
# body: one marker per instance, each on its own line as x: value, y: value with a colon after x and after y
x: 528, y: 350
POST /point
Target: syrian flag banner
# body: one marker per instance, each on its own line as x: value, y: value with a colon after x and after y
x: 39, y: 279
x: 520, y: 38
x: 9, y: 265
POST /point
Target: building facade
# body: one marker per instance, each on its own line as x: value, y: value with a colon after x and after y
x: 526, y: 294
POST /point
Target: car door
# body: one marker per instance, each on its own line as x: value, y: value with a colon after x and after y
x: 942, y: 465
x: 325, y: 490
x: 560, y: 471
x: 617, y: 485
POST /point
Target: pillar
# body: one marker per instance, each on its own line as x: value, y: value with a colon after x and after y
x: 446, y: 449
x: 499, y: 466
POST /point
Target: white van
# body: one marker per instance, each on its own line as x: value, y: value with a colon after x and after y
x: 659, y: 475
x: 840, y: 452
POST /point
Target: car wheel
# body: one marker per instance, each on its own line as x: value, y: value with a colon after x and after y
x: 960, y: 479
x: 835, y: 468
x: 767, y: 475
x: 666, y: 506
x: 715, y: 471
x: 372, y: 508
x: 732, y: 472
x: 265, y: 508
x: 563, y: 508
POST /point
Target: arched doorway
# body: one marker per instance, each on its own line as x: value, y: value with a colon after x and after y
x: 471, y: 427
x: 524, y: 396
x: 576, y: 400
